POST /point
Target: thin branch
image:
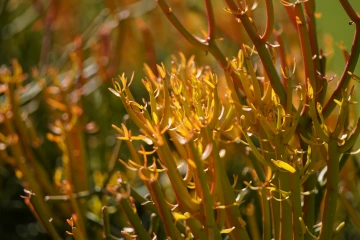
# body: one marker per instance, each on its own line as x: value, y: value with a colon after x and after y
x: 352, y: 139
x: 331, y: 191
x: 211, y: 20
x: 269, y: 20
x: 311, y: 24
x: 205, y: 45
x: 173, y: 19
x: 290, y: 13
x: 282, y: 57
x: 49, y: 20
x: 305, y: 47
x: 350, y: 11
x: 262, y: 50
x: 345, y: 77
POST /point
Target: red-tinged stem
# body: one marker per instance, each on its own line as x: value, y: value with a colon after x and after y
x: 173, y: 19
x: 351, y: 62
x: 49, y: 20
x: 206, y: 45
x: 291, y: 15
x: 211, y: 20
x: 232, y: 214
x: 350, y: 11
x: 310, y: 12
x: 210, y: 223
x: 262, y: 50
x: 38, y: 203
x: 186, y: 202
x: 282, y: 56
x: 269, y: 20
x: 305, y: 46
x: 286, y: 81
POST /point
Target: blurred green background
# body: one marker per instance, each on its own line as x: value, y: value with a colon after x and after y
x: 115, y: 37
x: 335, y: 23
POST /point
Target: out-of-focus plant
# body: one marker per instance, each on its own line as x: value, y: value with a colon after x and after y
x: 266, y: 113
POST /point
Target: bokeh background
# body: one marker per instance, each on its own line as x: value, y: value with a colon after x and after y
x: 113, y: 37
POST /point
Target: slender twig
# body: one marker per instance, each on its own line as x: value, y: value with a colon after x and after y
x: 47, y: 36
x: 262, y: 50
x: 269, y: 20
x: 106, y: 220
x: 309, y: 200
x: 344, y: 51
x: 186, y: 201
x: 40, y: 207
x: 78, y: 212
x: 159, y: 200
x: 24, y: 141
x: 133, y: 218
x: 205, y: 45
x: 350, y: 11
x: 351, y: 63
x: 282, y: 57
x: 305, y: 49
x: 211, y: 20
x: 284, y: 183
x: 286, y: 78
x: 37, y: 211
x: 296, y: 206
x: 225, y: 190
x: 352, y: 139
x: 311, y: 24
x: 309, y: 205
x: 331, y: 191
x: 111, y: 166
x: 173, y: 19
x: 210, y: 227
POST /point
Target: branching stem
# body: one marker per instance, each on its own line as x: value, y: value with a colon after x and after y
x: 211, y: 20
x: 269, y: 20
x: 262, y: 50
x: 351, y: 62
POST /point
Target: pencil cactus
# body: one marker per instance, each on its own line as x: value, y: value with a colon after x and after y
x: 262, y: 111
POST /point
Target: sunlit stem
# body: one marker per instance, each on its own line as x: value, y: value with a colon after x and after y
x: 350, y: 67
x: 159, y: 200
x: 232, y: 213
x: 331, y: 194
x: 186, y: 202
x: 269, y: 20
x: 296, y: 206
x: 133, y: 219
x: 262, y: 50
x: 211, y: 227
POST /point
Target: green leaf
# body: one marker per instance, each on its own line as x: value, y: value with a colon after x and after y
x: 228, y: 230
x: 283, y: 165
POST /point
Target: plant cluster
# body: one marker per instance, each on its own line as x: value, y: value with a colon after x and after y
x: 269, y: 115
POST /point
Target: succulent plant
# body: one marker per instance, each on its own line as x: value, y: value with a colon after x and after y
x: 255, y: 149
